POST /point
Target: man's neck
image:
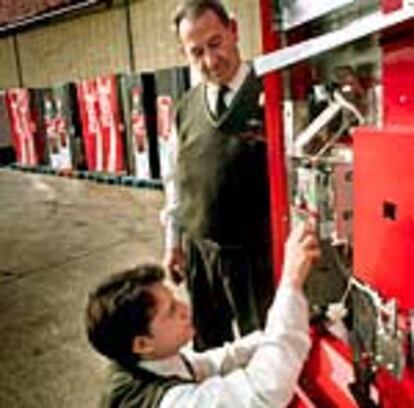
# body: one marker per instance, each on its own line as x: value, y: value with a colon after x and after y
x: 236, y: 80
x: 236, y: 70
x: 170, y: 365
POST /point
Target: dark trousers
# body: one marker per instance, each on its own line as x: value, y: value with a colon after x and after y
x: 227, y: 284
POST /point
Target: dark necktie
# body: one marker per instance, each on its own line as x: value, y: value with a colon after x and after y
x: 221, y: 106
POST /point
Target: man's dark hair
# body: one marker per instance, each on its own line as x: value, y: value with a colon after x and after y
x: 192, y: 9
x: 119, y: 309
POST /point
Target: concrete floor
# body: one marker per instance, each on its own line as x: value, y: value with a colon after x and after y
x: 58, y: 238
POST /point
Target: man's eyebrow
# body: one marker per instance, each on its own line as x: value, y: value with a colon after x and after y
x: 215, y: 37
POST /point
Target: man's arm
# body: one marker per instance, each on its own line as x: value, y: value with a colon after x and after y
x: 224, y: 360
x: 269, y: 378
x: 173, y: 254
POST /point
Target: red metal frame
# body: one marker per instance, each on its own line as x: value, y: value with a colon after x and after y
x: 323, y: 388
x: 276, y: 151
x: 328, y: 372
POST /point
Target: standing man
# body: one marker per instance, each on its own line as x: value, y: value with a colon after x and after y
x: 217, y: 205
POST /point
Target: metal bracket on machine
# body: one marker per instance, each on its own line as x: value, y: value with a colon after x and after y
x: 337, y: 103
x: 297, y: 12
x: 377, y: 339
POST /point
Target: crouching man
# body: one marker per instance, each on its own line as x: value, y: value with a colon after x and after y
x: 134, y: 319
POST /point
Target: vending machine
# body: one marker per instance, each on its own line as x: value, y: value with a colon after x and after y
x: 102, y: 129
x: 139, y: 117
x: 7, y: 153
x: 23, y: 127
x: 339, y: 94
x: 59, y: 120
x: 170, y: 85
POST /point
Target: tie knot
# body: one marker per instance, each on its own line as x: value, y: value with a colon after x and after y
x: 223, y: 89
x: 221, y: 105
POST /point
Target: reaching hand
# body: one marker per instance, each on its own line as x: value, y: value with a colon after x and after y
x: 301, y: 251
x: 174, y: 263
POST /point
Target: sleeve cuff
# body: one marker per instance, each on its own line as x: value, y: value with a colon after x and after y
x: 172, y: 235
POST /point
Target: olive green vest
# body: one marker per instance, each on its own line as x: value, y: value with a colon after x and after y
x: 136, y: 387
x: 222, y: 168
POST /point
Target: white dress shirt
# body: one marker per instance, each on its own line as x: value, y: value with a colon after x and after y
x: 233, y: 86
x: 168, y: 215
x: 256, y: 371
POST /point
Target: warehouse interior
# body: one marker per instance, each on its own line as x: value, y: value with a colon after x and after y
x: 87, y: 95
x: 61, y: 235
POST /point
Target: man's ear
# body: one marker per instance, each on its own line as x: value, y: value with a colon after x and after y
x: 234, y: 28
x: 181, y: 50
x: 142, y: 345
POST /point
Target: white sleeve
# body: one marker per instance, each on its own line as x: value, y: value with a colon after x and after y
x: 269, y: 378
x: 223, y: 360
x: 168, y: 215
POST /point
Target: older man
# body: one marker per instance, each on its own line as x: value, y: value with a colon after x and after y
x: 217, y: 207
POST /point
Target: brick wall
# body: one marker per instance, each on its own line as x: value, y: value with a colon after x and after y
x: 97, y: 43
x: 81, y: 48
x: 8, y: 70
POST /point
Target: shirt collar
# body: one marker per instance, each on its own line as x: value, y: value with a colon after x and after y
x: 239, y: 78
x: 169, y: 366
x: 236, y: 82
x: 234, y: 86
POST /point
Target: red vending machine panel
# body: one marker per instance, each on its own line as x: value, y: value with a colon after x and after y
x: 170, y: 85
x: 7, y: 152
x: 22, y: 126
x: 139, y: 118
x: 58, y: 113
x: 384, y: 212
x: 101, y: 126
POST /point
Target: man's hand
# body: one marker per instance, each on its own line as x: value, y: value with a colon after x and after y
x: 174, y: 263
x: 301, y: 251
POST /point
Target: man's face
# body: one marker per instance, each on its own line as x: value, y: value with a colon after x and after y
x: 211, y: 47
x: 171, y: 327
